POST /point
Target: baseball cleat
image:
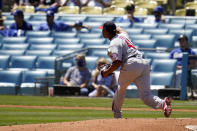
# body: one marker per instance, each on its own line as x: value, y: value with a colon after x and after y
x: 167, y: 106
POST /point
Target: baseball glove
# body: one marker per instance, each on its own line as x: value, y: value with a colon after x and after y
x: 104, y: 67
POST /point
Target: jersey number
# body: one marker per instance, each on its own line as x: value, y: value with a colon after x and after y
x: 128, y: 42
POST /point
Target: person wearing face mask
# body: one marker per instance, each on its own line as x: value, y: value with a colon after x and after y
x: 78, y: 75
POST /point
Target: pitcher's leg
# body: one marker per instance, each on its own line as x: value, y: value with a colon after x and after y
x: 143, y: 85
x: 146, y: 96
x: 118, y: 100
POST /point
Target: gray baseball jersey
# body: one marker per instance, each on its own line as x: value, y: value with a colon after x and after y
x: 134, y: 69
x: 121, y: 48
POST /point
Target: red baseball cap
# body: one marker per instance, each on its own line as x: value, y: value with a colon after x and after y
x: 100, y: 27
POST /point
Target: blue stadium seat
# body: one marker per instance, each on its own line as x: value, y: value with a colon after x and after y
x: 7, y: 23
x: 91, y: 62
x: 42, y: 47
x: 38, y: 34
x: 155, y: 31
x: 35, y: 23
x: 167, y: 20
x: 123, y: 25
x: 44, y: 40
x: 156, y: 55
x: 28, y: 85
x: 15, y: 46
x: 14, y: 40
x: 178, y: 32
x: 71, y: 18
x: 89, y: 35
x: 9, y: 81
x: 99, y: 19
x: 88, y: 42
x: 38, y: 52
x: 183, y: 21
x: 40, y: 17
x: 93, y: 48
x: 166, y: 41
x: 4, y: 61
x: 100, y: 53
x: 61, y: 52
x: 67, y: 41
x: 140, y: 37
x: 9, y: 17
x: 195, y: 50
x: 145, y: 26
x: 68, y: 62
x: 12, y: 52
x: 119, y: 18
x: 165, y: 79
x: 72, y: 46
x: 96, y: 30
x: 164, y: 65
x: 27, y: 17
x: 46, y: 63
x: 64, y: 35
x: 194, y: 41
x: 22, y: 62
x: 171, y: 26
x: 134, y: 31
x: 193, y: 27
x: 145, y: 43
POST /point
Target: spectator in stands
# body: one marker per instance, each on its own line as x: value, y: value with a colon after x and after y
x: 177, y: 54
x: 172, y: 6
x: 19, y: 3
x: 129, y: 17
x: 81, y: 3
x: 4, y: 31
x: 102, y: 86
x: 24, y: 3
x: 99, y: 3
x: 78, y: 75
x: 47, y: 5
x: 34, y: 3
x: 58, y: 25
x: 20, y: 24
x: 158, y: 16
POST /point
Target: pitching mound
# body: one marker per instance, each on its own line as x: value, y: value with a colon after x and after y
x: 109, y: 125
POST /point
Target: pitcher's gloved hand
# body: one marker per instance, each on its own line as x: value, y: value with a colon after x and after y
x: 103, y: 68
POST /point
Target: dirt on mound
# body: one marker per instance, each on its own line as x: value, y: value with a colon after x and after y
x: 139, y: 124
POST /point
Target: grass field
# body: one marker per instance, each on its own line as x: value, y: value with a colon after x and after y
x: 23, y: 115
